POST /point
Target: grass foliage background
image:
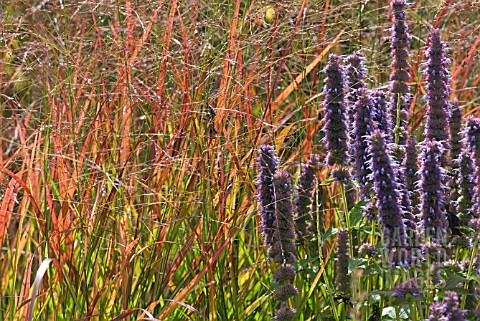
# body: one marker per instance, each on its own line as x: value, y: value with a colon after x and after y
x: 129, y: 132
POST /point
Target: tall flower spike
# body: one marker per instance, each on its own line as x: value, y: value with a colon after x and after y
x: 267, y: 163
x: 388, y: 197
x: 362, y: 130
x: 473, y: 137
x: 432, y: 191
x: 380, y: 114
x: 411, y: 172
x: 283, y: 249
x: 437, y: 80
x: 355, y: 73
x: 455, y: 130
x: 466, y: 182
x: 400, y: 69
x: 334, y: 104
x: 454, y: 154
x: 303, y: 199
x: 342, y: 278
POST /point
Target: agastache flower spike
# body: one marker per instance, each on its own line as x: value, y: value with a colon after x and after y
x: 437, y: 80
x: 411, y: 172
x: 362, y: 130
x: 334, y: 104
x: 473, y: 138
x: 355, y: 74
x: 283, y: 249
x: 388, y: 196
x: 303, y: 199
x: 400, y: 68
x: 380, y: 114
x: 267, y: 163
x: 466, y: 182
x: 455, y: 152
x: 342, y: 278
x: 432, y: 191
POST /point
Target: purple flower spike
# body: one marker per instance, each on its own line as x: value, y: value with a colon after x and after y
x: 362, y: 130
x: 342, y: 278
x: 388, y: 195
x: 473, y: 140
x: 437, y: 79
x: 455, y: 130
x: 303, y: 199
x: 432, y: 191
x: 400, y: 69
x: 355, y: 73
x: 334, y: 104
x: 466, y: 182
x: 448, y: 311
x: 411, y: 172
x: 380, y: 114
x: 283, y: 249
x: 267, y: 163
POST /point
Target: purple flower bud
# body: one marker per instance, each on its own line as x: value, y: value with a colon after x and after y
x: 388, y: 195
x: 267, y: 164
x: 367, y: 249
x: 284, y: 292
x: 284, y: 314
x: 438, y: 115
x: 408, y: 288
x: 342, y: 278
x: 432, y: 191
x: 284, y: 273
x: 334, y: 104
x: 303, y: 199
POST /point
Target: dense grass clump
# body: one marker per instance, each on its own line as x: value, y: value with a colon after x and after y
x: 239, y: 160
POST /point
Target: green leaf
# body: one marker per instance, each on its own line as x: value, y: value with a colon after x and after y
x: 356, y: 213
x: 331, y: 231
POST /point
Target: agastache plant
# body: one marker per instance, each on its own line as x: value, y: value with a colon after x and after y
x: 388, y: 199
x: 432, y: 191
x: 411, y: 172
x: 380, y: 117
x: 438, y: 77
x: 342, y: 279
x: 355, y: 72
x: 283, y: 249
x: 455, y: 152
x: 362, y: 129
x: 473, y: 139
x: 400, y: 75
x: 335, y: 119
x: 304, y: 197
x: 267, y: 163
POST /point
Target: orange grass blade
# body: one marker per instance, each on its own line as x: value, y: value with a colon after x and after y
x: 290, y: 88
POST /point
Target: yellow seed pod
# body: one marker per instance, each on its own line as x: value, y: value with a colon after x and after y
x: 270, y: 13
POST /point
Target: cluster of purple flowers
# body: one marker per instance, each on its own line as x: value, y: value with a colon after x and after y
x: 421, y: 192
